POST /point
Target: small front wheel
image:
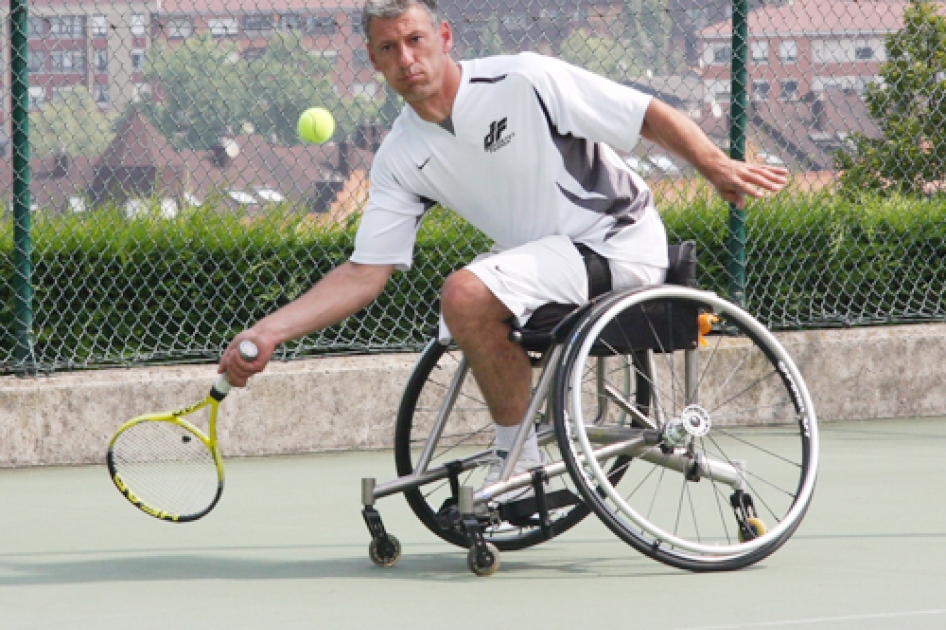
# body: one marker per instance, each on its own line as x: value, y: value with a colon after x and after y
x: 385, y: 551
x: 755, y: 528
x: 483, y: 564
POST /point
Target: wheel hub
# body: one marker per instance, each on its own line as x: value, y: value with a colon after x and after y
x: 694, y: 422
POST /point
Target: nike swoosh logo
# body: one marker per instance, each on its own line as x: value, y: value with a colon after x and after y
x: 424, y: 163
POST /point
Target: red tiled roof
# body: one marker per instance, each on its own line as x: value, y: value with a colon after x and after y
x: 815, y: 17
x: 254, y: 6
x: 137, y: 143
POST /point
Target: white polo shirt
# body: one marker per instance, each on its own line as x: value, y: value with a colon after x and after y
x: 526, y: 153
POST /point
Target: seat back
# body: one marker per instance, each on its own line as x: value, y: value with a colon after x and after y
x: 662, y: 327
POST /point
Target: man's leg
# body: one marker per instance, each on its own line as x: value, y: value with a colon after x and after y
x: 477, y: 321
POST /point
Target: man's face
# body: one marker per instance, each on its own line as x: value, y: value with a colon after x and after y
x: 410, y: 52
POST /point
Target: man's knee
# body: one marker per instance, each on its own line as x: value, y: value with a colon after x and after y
x: 462, y: 293
x: 464, y: 298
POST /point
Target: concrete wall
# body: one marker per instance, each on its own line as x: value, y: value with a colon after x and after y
x: 351, y: 402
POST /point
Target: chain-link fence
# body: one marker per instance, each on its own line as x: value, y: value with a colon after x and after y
x: 164, y: 201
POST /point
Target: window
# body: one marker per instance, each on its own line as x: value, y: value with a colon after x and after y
x: 360, y: 59
x: 252, y: 54
x: 224, y: 27
x: 322, y: 25
x: 328, y: 56
x: 722, y: 54
x: 270, y: 195
x: 366, y: 90
x: 716, y: 90
x: 66, y: 61
x: 830, y: 51
x: 760, y: 52
x: 789, y: 90
x: 354, y: 18
x: 179, y: 26
x: 37, y: 61
x: 515, y: 22
x: 861, y: 83
x: 761, y: 90
x: 101, y: 94
x: 37, y: 97
x: 99, y: 26
x: 66, y: 26
x: 137, y: 25
x: 242, y: 198
x: 788, y: 51
x: 137, y: 59
x: 60, y: 92
x: 292, y: 22
x: 864, y: 53
x: 258, y: 24
x: 101, y: 59
x: 36, y: 27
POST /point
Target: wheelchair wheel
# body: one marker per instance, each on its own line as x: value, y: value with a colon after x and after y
x: 467, y: 433
x: 721, y: 449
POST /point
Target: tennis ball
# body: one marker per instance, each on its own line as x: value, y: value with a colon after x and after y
x: 316, y: 125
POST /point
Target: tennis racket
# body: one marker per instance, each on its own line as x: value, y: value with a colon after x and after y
x: 167, y: 467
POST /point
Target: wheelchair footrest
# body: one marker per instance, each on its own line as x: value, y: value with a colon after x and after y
x: 526, y: 512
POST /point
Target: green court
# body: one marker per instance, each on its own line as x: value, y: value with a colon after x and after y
x: 287, y: 548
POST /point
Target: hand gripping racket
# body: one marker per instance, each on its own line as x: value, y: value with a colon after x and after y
x: 167, y: 467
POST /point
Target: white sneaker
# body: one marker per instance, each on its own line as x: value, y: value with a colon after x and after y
x: 496, y: 463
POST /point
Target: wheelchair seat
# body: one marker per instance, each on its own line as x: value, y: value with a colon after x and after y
x: 551, y: 323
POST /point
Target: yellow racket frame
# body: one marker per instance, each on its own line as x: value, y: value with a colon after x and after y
x: 209, y: 440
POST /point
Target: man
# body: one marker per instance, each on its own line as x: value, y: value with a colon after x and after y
x: 516, y: 145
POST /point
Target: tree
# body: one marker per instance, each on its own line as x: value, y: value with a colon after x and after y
x: 601, y: 55
x: 909, y: 106
x: 282, y: 83
x: 72, y: 124
x: 490, y: 40
x: 647, y: 32
x: 199, y: 90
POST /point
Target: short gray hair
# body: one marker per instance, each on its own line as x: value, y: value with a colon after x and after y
x: 388, y: 9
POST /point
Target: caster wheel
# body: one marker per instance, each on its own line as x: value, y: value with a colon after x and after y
x: 385, y: 552
x: 472, y: 561
x: 756, y: 525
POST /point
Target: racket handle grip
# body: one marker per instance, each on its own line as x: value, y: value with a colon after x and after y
x: 248, y: 352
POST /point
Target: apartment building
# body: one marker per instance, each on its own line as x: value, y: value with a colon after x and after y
x: 802, y: 47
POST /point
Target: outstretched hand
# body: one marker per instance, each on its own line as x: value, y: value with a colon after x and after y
x: 735, y: 180
x: 238, y: 369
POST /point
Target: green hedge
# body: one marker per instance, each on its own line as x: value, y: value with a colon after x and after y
x: 109, y: 290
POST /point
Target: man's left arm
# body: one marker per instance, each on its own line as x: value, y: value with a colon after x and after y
x: 734, y: 180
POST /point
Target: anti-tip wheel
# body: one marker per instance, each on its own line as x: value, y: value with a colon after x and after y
x: 756, y: 525
x: 472, y: 561
x: 385, y: 552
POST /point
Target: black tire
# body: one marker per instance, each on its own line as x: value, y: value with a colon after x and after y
x: 468, y: 428
x: 758, y: 411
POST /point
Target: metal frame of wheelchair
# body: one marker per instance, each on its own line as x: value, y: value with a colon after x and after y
x: 670, y: 413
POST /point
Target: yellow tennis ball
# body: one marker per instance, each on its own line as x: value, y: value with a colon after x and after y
x: 316, y: 125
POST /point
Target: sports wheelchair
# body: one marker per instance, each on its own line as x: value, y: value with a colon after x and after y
x: 672, y: 414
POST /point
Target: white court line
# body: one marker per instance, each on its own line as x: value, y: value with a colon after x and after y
x: 769, y: 624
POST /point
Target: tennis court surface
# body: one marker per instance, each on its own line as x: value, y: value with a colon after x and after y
x: 286, y: 548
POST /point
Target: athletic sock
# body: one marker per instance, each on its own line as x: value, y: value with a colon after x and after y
x: 506, y: 436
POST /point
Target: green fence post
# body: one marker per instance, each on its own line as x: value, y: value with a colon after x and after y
x: 737, y: 148
x: 22, y: 248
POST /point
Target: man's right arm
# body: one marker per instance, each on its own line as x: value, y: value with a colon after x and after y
x: 343, y: 292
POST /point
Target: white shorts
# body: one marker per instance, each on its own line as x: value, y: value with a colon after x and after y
x: 548, y: 270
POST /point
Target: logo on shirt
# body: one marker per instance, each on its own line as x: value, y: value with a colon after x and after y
x: 494, y: 140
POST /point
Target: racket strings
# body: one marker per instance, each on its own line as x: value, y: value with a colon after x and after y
x: 167, y: 467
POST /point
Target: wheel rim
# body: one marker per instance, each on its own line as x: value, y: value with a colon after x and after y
x: 663, y: 530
